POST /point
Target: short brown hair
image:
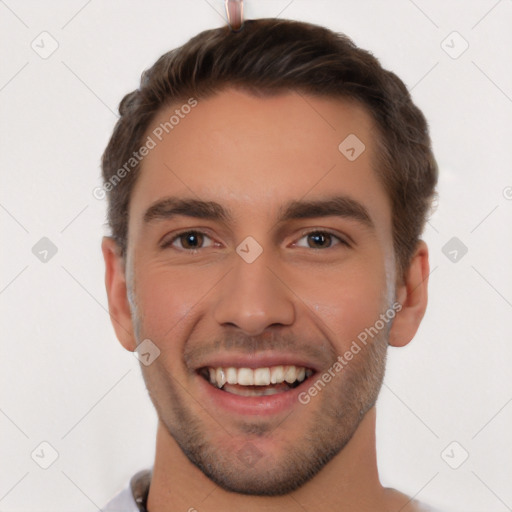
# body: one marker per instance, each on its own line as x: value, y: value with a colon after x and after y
x: 269, y: 56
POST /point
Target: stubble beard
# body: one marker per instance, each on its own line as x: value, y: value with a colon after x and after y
x: 340, y: 408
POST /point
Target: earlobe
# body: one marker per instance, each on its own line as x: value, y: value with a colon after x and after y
x: 412, y: 294
x: 115, y: 283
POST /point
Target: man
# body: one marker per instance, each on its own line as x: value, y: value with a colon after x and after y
x: 267, y: 190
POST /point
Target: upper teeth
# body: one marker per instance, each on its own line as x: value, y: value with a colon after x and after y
x: 258, y: 376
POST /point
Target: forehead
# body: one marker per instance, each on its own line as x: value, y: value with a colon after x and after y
x: 255, y: 153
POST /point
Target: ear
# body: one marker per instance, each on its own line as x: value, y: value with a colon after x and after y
x: 412, y: 294
x: 115, y: 283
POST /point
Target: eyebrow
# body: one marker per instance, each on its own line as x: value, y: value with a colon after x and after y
x: 337, y: 206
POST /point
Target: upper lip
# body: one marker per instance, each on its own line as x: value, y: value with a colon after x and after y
x: 262, y: 360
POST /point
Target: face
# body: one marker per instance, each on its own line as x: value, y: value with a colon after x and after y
x: 257, y: 254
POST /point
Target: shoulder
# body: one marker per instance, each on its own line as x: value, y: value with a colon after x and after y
x: 122, y: 502
x: 407, y: 504
x: 133, y: 497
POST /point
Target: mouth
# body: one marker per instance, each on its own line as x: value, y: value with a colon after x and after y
x: 256, y: 382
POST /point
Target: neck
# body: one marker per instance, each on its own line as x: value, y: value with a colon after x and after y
x: 348, y: 482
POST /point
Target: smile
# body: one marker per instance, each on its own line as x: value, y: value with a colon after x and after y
x: 262, y: 381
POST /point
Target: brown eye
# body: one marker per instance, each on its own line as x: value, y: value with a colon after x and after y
x: 192, y: 240
x: 189, y: 241
x: 319, y: 240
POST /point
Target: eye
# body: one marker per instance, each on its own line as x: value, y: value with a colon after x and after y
x: 189, y: 241
x: 319, y: 240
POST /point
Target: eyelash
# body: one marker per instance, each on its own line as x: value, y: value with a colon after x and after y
x: 169, y: 243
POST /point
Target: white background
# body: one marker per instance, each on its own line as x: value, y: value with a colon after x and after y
x: 64, y: 377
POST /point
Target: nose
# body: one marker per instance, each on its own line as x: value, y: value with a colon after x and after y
x: 253, y: 298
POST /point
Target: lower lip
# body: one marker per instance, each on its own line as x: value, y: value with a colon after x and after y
x: 252, y: 405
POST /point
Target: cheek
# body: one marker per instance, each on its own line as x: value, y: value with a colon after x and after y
x: 347, y: 299
x: 169, y: 299
x: 349, y: 302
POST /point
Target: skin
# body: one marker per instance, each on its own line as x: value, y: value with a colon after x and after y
x: 253, y: 156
